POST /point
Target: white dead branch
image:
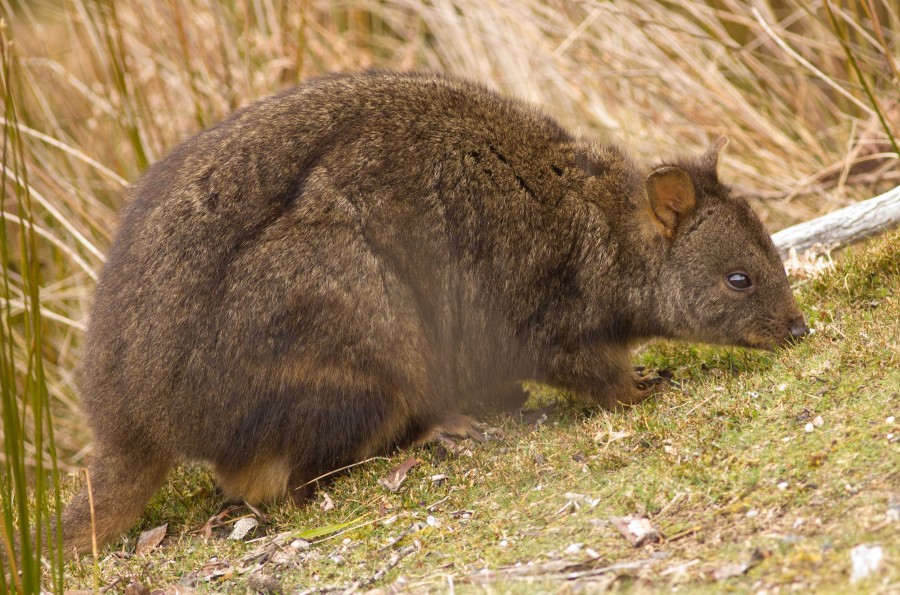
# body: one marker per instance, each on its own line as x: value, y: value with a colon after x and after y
x: 844, y: 226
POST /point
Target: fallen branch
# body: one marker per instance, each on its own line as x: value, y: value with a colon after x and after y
x: 844, y: 226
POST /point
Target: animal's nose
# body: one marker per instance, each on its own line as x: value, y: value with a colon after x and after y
x: 798, y: 328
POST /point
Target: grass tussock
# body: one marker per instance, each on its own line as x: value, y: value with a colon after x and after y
x: 94, y: 91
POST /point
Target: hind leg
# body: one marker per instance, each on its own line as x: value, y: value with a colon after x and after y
x: 121, y: 484
x: 450, y: 424
x: 348, y: 426
x: 265, y: 479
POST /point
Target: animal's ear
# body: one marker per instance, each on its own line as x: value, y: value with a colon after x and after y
x: 710, y: 159
x: 671, y: 197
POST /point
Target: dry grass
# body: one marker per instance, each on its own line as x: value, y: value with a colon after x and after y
x: 807, y: 91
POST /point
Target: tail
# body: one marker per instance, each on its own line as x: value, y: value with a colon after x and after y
x: 119, y: 486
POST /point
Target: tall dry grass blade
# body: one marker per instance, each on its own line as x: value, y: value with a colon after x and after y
x: 29, y: 393
x: 73, y: 152
x: 843, y: 37
x: 871, y: 12
x: 118, y: 70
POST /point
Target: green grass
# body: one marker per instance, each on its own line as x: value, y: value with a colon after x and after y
x: 722, y: 465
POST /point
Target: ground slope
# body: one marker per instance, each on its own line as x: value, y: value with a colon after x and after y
x: 761, y: 471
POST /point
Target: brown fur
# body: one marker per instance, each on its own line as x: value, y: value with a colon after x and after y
x: 338, y: 270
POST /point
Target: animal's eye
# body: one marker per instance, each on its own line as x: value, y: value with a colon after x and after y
x: 738, y: 281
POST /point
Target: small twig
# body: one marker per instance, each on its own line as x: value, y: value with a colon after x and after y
x: 393, y: 561
x: 700, y: 404
x: 669, y: 505
x: 679, y: 567
x: 436, y: 504
x: 96, y: 556
x: 111, y: 585
x: 329, y: 473
x: 441, y: 501
x: 259, y: 514
x: 362, y: 583
x: 397, y: 539
x: 684, y: 533
x: 549, y: 571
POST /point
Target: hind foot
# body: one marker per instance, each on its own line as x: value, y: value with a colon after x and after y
x: 452, y: 424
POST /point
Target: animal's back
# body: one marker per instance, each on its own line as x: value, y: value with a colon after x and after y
x: 249, y: 256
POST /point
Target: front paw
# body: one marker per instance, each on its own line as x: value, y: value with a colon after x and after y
x: 646, y: 386
x: 634, y: 390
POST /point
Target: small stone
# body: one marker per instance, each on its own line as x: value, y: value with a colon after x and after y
x: 432, y: 522
x: 782, y: 485
x: 300, y: 544
x: 866, y: 560
x: 889, y: 420
x: 637, y: 530
x: 808, y: 428
x: 242, y: 527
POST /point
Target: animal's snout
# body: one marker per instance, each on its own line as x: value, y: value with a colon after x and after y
x: 798, y: 328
